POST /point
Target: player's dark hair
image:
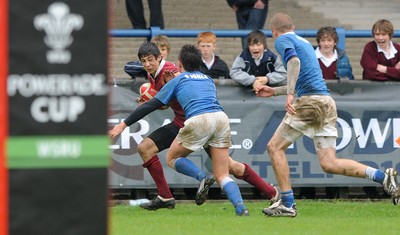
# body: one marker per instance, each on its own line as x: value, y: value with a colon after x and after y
x: 190, y: 58
x: 148, y: 48
x: 257, y: 36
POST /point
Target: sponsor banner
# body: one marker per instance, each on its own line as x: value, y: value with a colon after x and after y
x: 368, y: 126
x: 57, y: 98
x: 57, y: 67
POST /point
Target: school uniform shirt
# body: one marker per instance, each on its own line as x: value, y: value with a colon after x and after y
x: 373, y: 55
x: 218, y: 68
x: 336, y: 67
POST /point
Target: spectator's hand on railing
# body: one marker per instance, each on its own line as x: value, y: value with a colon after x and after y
x: 260, y: 81
x: 381, y: 68
x: 255, y: 84
x: 397, y: 66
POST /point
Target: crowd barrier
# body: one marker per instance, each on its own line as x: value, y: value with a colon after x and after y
x: 368, y: 125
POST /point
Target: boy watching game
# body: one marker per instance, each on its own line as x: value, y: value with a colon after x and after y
x: 212, y: 65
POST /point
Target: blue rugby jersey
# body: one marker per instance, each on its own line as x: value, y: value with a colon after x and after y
x: 195, y: 91
x: 310, y: 81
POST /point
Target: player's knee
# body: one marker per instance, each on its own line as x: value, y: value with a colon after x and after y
x: 328, y: 161
x: 272, y: 147
x: 234, y: 168
x: 327, y: 168
x: 141, y: 149
x: 170, y: 162
x: 330, y: 166
x: 145, y: 149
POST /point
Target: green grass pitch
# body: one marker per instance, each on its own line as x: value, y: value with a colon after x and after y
x: 322, y: 217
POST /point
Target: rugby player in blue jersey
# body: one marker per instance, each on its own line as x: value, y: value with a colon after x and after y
x: 313, y: 114
x: 206, y: 124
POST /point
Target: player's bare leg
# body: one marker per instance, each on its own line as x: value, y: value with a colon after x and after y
x: 285, y: 207
x: 148, y: 152
x: 331, y: 164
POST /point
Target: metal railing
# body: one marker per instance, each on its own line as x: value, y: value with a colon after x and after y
x: 153, y: 31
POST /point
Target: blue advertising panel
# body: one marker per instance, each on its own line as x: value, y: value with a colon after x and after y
x: 368, y: 126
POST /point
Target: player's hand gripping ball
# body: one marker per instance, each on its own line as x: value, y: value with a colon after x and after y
x: 147, y: 91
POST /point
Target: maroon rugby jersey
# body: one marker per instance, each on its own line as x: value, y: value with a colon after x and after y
x: 158, y: 82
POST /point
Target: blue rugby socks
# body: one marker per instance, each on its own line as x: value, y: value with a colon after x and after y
x: 287, y: 198
x: 232, y: 191
x: 375, y: 174
x: 187, y: 167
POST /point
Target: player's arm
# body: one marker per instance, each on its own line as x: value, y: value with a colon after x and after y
x: 293, y: 69
x: 267, y: 91
x: 136, y: 115
x: 170, y: 74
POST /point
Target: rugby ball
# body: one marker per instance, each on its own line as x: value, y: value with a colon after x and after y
x: 147, y: 92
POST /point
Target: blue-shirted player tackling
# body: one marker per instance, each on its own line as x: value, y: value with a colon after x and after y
x: 312, y: 114
x: 206, y: 124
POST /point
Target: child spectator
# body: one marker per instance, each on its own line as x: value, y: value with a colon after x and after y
x: 333, y: 61
x: 163, y: 45
x: 135, y: 68
x: 257, y: 64
x: 381, y: 58
x: 212, y: 65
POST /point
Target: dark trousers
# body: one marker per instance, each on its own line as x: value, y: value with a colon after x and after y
x: 250, y: 19
x: 135, y: 11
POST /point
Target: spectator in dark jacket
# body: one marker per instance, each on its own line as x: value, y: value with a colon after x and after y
x: 212, y: 65
x: 250, y: 14
x: 135, y: 11
x: 257, y: 64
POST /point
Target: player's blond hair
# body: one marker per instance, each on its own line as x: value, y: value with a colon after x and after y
x: 282, y: 22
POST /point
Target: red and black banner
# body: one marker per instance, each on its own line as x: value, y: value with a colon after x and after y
x: 56, y: 156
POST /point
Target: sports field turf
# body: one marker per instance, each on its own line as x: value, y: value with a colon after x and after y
x: 323, y: 217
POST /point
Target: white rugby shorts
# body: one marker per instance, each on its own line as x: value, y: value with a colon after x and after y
x: 206, y: 129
